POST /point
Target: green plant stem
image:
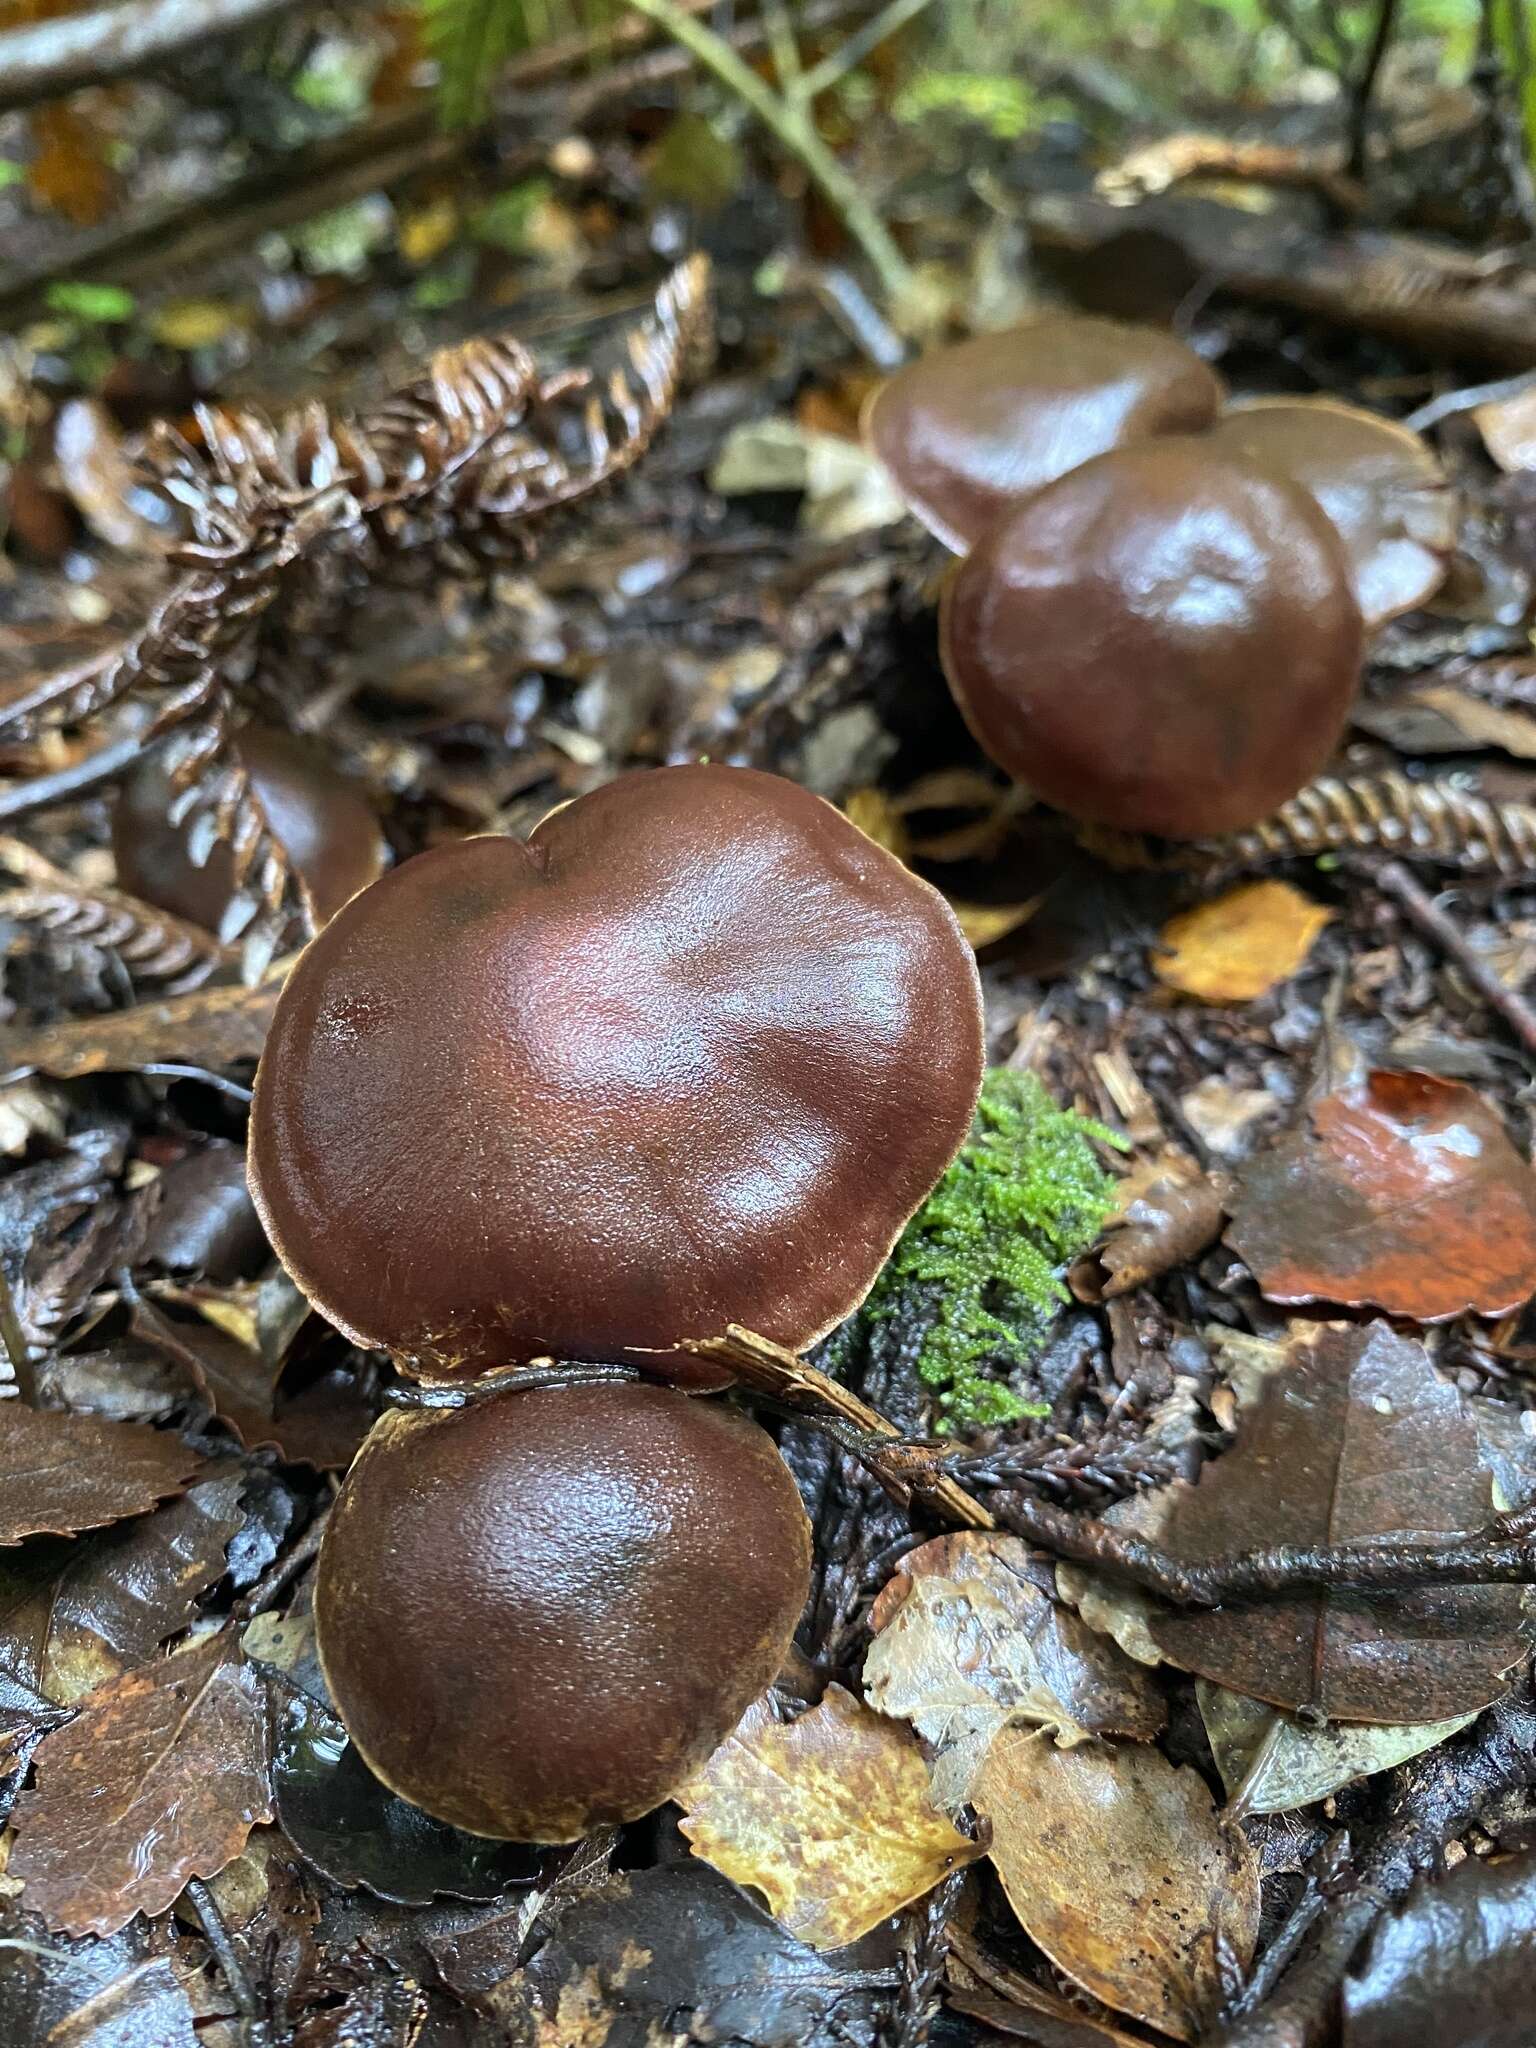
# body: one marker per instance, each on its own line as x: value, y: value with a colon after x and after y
x: 781, y: 40
x: 839, y: 62
x: 793, y: 128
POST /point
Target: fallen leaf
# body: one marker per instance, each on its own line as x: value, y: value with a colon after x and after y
x: 1167, y: 1212
x: 1508, y: 428
x: 99, y: 478
x: 970, y: 1645
x: 212, y: 1027
x: 845, y: 490
x: 1401, y: 1192
x: 1114, y: 1606
x: 677, y: 1954
x: 985, y: 923
x: 1371, y: 1442
x: 75, y: 1614
x: 68, y: 171
x: 1437, y: 718
x: 830, y: 1818
x: 1240, y: 944
x: 64, y: 1473
x: 1274, y: 1763
x: 159, y: 1777
x: 237, y: 1381
x: 1454, y: 1964
x: 1017, y: 2006
x: 196, y: 323
x: 93, y: 1994
x: 1116, y: 1864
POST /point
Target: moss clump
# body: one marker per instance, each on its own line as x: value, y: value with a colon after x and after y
x: 1024, y: 1197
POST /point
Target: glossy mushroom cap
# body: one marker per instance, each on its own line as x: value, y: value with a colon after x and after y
x: 1164, y: 640
x: 691, y: 1056
x: 327, y: 826
x: 542, y: 1611
x: 966, y: 430
x: 1381, y: 486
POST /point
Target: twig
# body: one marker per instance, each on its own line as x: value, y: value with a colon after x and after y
x: 270, y: 1586
x: 1429, y: 1802
x: 81, y: 778
x: 16, y: 1347
x: 253, y: 2021
x: 1324, y: 1872
x: 907, y: 1471
x: 1450, y: 403
x: 1399, y: 882
x: 855, y: 48
x: 1501, y: 1553
x: 1363, y: 89
x: 63, y: 53
x: 796, y: 132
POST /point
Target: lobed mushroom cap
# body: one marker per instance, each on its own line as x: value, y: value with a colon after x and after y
x: 1381, y: 486
x: 325, y: 823
x: 542, y: 1611
x: 966, y: 430
x: 691, y: 1056
x: 1164, y: 640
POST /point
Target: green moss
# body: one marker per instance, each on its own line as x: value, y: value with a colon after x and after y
x: 987, y: 1249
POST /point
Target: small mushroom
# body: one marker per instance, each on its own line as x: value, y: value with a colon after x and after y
x: 691, y: 1056
x: 325, y: 824
x: 1380, y: 484
x: 967, y: 429
x: 1164, y: 640
x: 543, y: 1610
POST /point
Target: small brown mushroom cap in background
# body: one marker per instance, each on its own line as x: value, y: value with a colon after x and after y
x: 325, y: 824
x: 543, y: 1610
x: 1381, y: 486
x: 1164, y: 640
x: 692, y: 1056
x: 967, y: 429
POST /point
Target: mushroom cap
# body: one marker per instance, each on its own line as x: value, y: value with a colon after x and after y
x: 1380, y: 484
x: 325, y: 824
x: 691, y: 1056
x: 1164, y: 640
x: 967, y: 429
x: 543, y: 1610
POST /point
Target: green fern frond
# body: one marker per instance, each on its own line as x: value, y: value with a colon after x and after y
x: 1024, y: 1197
x: 470, y: 40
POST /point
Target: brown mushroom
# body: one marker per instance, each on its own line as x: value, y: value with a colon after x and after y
x: 1380, y: 484
x: 543, y: 1610
x: 325, y: 824
x: 1164, y: 640
x: 693, y: 1055
x: 967, y: 429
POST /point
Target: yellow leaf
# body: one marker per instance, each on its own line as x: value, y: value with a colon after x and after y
x: 877, y: 818
x: 427, y: 230
x: 985, y: 923
x: 830, y: 1818
x: 1117, y: 1866
x: 195, y: 323
x: 1239, y: 945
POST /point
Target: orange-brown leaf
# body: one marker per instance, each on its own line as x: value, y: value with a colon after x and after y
x: 1240, y: 944
x: 63, y: 1473
x: 69, y: 174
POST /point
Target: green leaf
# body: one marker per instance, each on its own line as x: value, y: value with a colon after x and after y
x: 101, y: 304
x: 472, y: 39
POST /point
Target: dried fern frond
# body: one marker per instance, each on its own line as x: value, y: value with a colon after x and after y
x: 1385, y: 813
x: 151, y: 943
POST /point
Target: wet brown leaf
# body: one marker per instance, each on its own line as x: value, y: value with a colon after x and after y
x: 829, y: 1817
x: 93, y: 1994
x: 234, y: 1378
x: 212, y: 1027
x: 74, y: 1614
x: 1401, y: 1192
x: 1116, y: 1865
x: 1454, y: 1964
x: 1370, y: 1443
x: 159, y: 1777
x: 968, y: 1645
x: 63, y: 1473
x: 1167, y: 1212
x: 1239, y: 945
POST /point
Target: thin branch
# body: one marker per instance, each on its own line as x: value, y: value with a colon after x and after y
x: 792, y: 128
x: 1397, y: 881
x: 66, y: 785
x: 65, y: 52
x: 1363, y: 89
x: 254, y: 2029
x: 851, y: 52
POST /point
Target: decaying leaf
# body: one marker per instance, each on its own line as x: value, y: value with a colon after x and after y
x: 1439, y: 718
x: 1116, y: 1864
x: 1116, y: 1607
x: 75, y: 1614
x: 1453, y: 1965
x: 92, y: 1994
x: 1401, y: 1192
x: 1270, y: 1762
x: 830, y: 1817
x: 159, y: 1777
x: 968, y: 1645
x: 679, y: 1955
x: 1167, y: 1211
x: 64, y: 1473
x: 212, y: 1027
x: 1240, y: 944
x: 1358, y: 1438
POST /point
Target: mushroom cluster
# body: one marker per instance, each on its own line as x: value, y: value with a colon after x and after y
x: 692, y: 1055
x: 1160, y: 616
